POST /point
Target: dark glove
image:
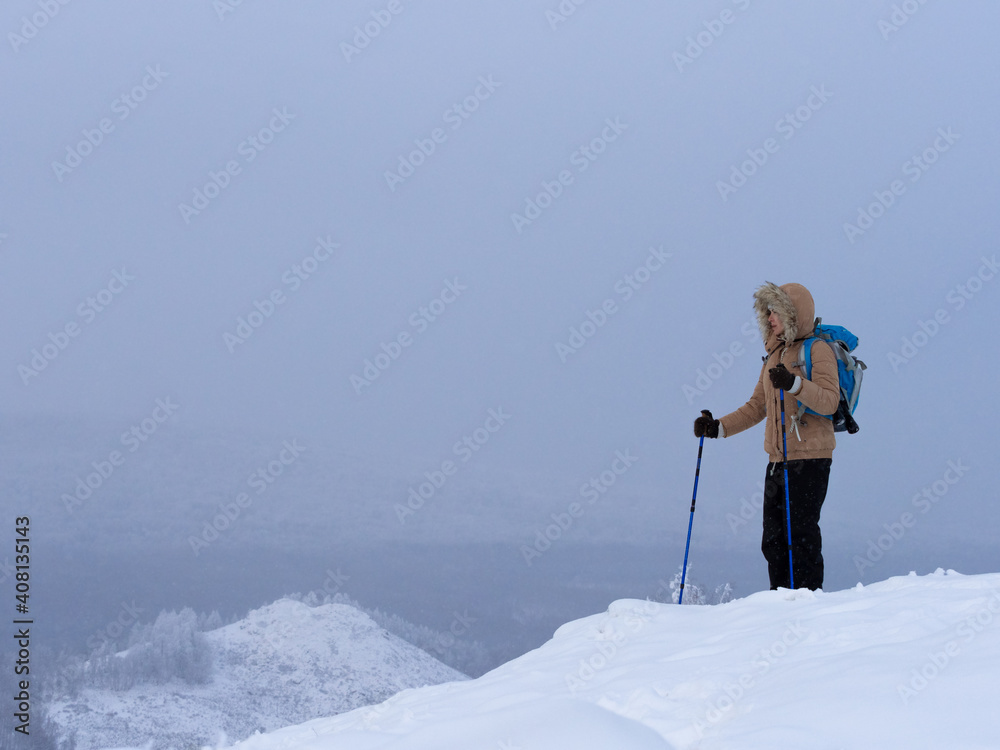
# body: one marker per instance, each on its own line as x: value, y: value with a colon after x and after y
x: 781, y: 377
x: 706, y: 426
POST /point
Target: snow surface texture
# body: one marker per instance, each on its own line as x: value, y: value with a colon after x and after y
x: 909, y: 662
x: 284, y: 663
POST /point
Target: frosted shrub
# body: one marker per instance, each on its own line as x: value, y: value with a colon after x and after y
x: 694, y: 593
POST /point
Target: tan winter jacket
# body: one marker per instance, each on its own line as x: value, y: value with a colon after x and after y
x: 812, y: 436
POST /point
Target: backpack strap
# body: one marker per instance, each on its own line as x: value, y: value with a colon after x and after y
x: 805, y: 357
x: 804, y: 362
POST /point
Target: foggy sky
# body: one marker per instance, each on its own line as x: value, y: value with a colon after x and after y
x: 631, y: 114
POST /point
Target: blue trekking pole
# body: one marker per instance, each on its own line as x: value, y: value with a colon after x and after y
x: 788, y: 515
x: 694, y: 496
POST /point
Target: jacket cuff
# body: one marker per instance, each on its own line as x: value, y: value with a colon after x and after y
x: 722, y: 430
x: 797, y: 386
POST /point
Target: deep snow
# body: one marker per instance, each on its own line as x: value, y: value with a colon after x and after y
x: 908, y: 662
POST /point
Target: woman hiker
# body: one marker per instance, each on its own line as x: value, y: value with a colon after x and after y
x: 786, y: 317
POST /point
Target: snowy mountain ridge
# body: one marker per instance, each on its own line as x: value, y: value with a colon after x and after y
x: 908, y: 662
x: 284, y: 663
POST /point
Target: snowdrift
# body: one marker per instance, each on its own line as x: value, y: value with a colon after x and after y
x: 912, y: 662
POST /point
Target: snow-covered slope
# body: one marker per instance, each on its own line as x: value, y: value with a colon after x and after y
x: 911, y: 662
x: 284, y: 663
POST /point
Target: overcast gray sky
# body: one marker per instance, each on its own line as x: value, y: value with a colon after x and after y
x: 446, y: 190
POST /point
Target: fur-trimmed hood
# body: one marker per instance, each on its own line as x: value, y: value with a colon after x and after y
x: 813, y: 438
x: 794, y: 305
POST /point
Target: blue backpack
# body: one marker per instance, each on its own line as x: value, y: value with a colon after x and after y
x: 849, y: 369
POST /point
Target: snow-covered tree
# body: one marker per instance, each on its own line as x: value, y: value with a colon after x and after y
x: 171, y: 647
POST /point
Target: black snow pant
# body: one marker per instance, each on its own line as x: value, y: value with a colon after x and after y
x: 807, y: 482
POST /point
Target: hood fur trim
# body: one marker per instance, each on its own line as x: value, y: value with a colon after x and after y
x: 795, y: 308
